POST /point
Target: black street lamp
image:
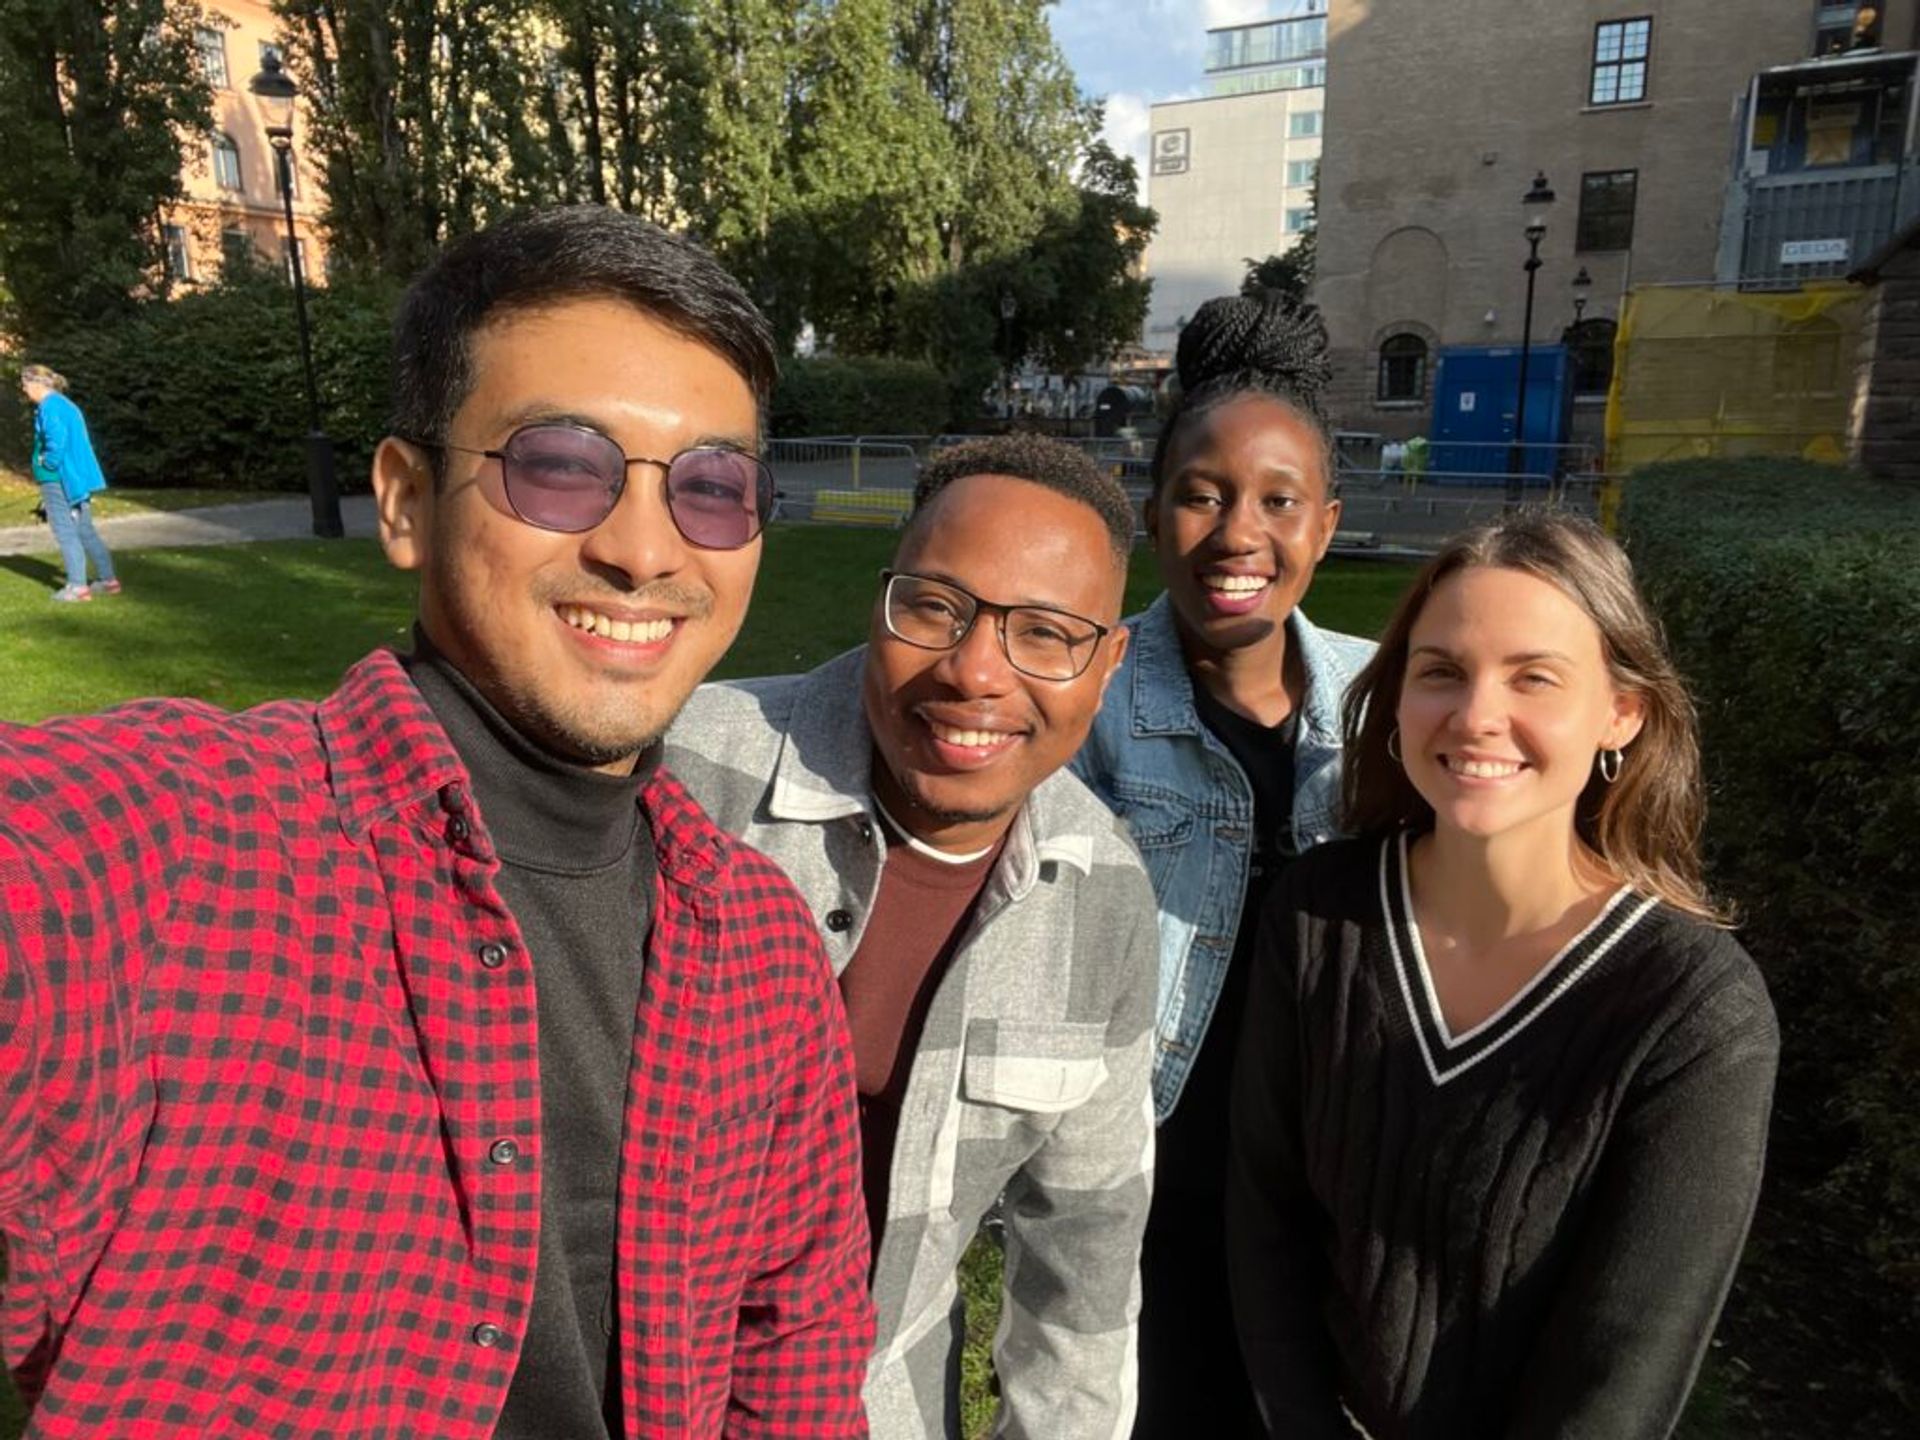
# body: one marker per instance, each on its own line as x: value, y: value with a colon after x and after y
x: 1582, y: 283
x: 1541, y: 194
x: 1009, y: 307
x: 276, y: 91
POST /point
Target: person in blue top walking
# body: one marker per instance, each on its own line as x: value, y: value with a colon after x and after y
x: 69, y: 476
x: 1219, y: 745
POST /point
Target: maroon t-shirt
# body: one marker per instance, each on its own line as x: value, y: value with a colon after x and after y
x: 917, y: 920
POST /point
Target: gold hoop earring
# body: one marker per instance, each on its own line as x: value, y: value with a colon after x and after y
x: 1611, y: 762
x: 1393, y: 746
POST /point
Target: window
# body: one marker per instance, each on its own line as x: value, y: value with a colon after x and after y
x: 179, y: 254
x: 1299, y: 219
x: 1606, y: 210
x: 226, y: 162
x: 1403, y: 368
x: 236, y: 250
x: 1845, y: 27
x: 1620, y: 61
x: 286, y: 179
x: 1303, y: 124
x: 212, y: 45
x: 1301, y: 172
x: 1590, y: 343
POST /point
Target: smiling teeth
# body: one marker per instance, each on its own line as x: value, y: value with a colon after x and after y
x: 639, y: 632
x: 1235, y: 584
x: 1485, y: 769
x: 972, y: 739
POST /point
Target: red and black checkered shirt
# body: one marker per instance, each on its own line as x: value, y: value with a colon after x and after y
x: 270, y: 1099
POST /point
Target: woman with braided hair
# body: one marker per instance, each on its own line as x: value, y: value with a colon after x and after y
x: 1219, y: 745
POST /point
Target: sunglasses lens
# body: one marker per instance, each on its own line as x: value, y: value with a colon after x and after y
x: 719, y: 498
x: 560, y: 478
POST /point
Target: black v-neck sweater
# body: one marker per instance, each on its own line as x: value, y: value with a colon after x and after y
x: 1526, y: 1230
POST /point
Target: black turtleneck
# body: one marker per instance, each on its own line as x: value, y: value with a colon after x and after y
x: 577, y: 871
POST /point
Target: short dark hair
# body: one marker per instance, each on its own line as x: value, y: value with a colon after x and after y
x: 541, y: 257
x: 1048, y: 463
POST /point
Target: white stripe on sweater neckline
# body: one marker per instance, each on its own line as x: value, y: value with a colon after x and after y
x: 1448, y: 1055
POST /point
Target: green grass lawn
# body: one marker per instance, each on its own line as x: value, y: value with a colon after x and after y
x: 239, y: 624
x: 18, y: 496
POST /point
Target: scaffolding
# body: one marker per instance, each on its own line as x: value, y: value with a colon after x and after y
x: 1706, y: 371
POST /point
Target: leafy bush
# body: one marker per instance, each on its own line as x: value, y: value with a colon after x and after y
x: 206, y: 390
x: 1791, y: 593
x: 858, y: 395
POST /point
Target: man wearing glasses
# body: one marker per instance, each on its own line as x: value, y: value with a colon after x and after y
x: 993, y: 930
x: 424, y: 1062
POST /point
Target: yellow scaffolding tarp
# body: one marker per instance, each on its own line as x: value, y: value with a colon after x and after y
x: 1701, y: 371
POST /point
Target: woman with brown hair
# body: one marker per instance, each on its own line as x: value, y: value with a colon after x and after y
x: 1502, y: 1094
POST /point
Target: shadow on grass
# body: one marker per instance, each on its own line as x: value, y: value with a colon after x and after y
x: 35, y: 568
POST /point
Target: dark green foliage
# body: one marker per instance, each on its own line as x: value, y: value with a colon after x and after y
x: 1791, y: 593
x: 207, y: 391
x: 97, y: 102
x: 858, y: 395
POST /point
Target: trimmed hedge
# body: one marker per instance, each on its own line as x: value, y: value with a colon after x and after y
x: 1791, y: 594
x: 858, y: 395
x: 206, y: 390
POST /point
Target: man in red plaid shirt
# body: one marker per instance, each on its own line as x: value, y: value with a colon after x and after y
x: 423, y: 1062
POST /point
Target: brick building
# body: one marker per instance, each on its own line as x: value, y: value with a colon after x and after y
x: 1885, y: 433
x: 1640, y: 113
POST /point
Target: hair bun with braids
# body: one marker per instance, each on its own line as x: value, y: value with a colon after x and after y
x: 1266, y: 344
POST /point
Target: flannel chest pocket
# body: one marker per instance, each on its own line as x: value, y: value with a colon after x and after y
x: 1044, y: 1066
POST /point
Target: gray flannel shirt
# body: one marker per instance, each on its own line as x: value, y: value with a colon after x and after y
x: 1032, y: 1075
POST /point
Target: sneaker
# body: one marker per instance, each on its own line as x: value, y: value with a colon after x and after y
x: 69, y: 594
x: 106, y: 587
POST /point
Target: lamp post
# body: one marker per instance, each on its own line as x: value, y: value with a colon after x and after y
x: 1582, y: 282
x: 276, y: 91
x: 1540, y: 194
x: 1009, y: 307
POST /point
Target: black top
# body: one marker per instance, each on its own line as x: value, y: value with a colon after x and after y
x: 1190, y: 1147
x: 577, y: 872
x: 1524, y: 1230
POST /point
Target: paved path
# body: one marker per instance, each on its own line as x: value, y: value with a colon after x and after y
x: 289, y: 519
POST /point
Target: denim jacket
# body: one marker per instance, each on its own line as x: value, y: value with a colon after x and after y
x: 1189, y: 807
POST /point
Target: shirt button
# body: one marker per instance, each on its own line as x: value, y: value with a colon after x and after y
x: 458, y: 829
x: 503, y: 1152
x: 487, y: 1335
x: 493, y: 955
x: 839, y: 921
x: 453, y: 798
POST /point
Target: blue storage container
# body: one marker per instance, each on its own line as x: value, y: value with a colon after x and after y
x: 1474, y: 391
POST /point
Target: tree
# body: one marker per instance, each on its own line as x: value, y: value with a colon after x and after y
x: 96, y: 102
x: 1289, y: 274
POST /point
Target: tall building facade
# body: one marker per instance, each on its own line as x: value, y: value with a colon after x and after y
x: 1231, y: 174
x: 233, y: 207
x: 1651, y: 121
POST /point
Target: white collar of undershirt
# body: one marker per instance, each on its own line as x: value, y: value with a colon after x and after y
x: 919, y: 846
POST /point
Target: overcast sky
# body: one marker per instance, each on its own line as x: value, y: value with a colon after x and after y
x: 1134, y: 52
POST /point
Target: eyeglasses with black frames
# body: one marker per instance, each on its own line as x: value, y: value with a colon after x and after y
x: 568, y: 478
x: 1038, y: 640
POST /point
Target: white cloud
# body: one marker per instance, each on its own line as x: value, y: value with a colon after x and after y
x: 1127, y: 126
x: 1240, y: 12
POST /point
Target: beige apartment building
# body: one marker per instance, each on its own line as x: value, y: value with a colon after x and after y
x: 1651, y: 121
x: 233, y: 203
x: 1230, y: 174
